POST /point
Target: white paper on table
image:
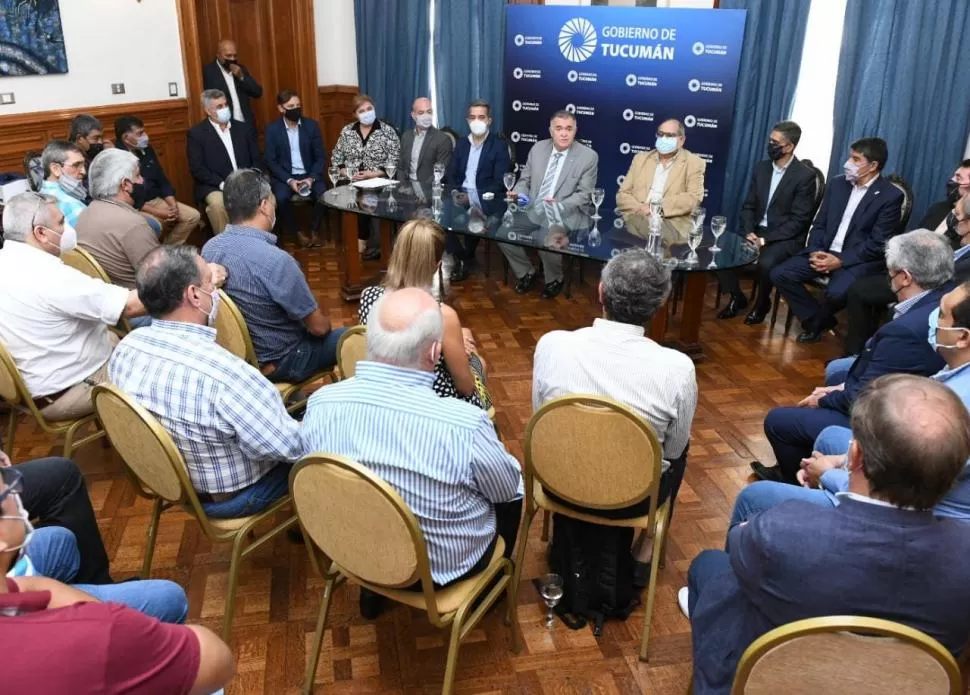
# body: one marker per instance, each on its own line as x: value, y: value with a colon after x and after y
x: 373, y: 183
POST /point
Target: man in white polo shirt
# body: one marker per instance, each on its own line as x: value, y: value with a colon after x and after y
x: 54, y: 319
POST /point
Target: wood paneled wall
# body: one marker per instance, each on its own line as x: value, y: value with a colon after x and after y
x: 336, y: 110
x: 166, y: 122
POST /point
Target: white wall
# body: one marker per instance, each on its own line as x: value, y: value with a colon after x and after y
x: 107, y: 41
x: 336, y: 41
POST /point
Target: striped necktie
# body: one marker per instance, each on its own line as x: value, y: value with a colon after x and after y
x: 545, y: 190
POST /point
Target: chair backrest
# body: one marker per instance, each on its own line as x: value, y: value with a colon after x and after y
x: 79, y: 259
x: 351, y: 349
x: 819, y: 184
x: 33, y: 169
x: 511, y: 148
x: 846, y: 654
x: 232, y: 332
x: 592, y: 451
x: 452, y: 135
x: 13, y: 390
x: 358, y: 521
x: 907, y: 207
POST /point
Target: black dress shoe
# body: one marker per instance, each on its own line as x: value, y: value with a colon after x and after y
x: 734, y: 307
x: 756, y: 316
x: 523, y: 284
x: 462, y: 270
x: 371, y: 255
x: 810, y: 336
x: 552, y: 289
x: 370, y: 604
x: 763, y: 472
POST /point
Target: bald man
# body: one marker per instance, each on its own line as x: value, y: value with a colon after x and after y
x: 423, y: 146
x: 230, y: 77
x: 668, y: 175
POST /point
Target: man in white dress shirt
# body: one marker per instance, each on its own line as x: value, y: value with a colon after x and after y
x: 54, y: 319
x: 232, y: 78
x: 614, y: 358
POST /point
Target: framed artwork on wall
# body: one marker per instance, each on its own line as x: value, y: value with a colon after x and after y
x: 31, y: 38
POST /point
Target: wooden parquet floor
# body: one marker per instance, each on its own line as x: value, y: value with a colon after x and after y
x: 746, y: 371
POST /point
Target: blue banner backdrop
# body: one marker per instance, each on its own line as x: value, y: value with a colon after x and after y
x: 622, y: 72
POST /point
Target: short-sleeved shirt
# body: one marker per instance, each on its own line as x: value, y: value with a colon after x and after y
x: 268, y: 286
x: 118, y: 237
x: 66, y: 203
x: 54, y: 319
x: 91, y: 648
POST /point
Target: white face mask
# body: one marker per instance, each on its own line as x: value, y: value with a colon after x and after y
x: 68, y: 241
x: 210, y: 316
x: 424, y: 120
x: 223, y: 115
x: 367, y: 117
x: 478, y: 128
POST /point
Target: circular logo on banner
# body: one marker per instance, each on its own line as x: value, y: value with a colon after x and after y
x: 519, y: 39
x: 571, y: 108
x: 694, y: 85
x: 697, y: 48
x: 631, y: 80
x: 627, y: 114
x: 618, y: 223
x: 513, y: 236
x: 515, y: 137
x: 689, y: 121
x: 620, y: 179
x: 577, y: 40
x: 516, y: 105
x: 572, y: 75
x: 517, y: 73
x: 624, y: 148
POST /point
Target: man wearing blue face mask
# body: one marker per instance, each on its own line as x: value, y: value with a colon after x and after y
x: 668, y: 176
x: 64, y: 171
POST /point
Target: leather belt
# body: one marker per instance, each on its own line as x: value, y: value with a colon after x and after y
x: 217, y: 497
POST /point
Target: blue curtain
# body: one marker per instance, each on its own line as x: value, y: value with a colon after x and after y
x: 904, y: 77
x: 773, y: 36
x: 392, y: 55
x: 468, y: 47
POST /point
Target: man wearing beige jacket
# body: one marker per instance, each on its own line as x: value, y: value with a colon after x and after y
x: 669, y: 175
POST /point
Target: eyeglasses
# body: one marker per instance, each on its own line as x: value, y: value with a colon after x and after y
x: 13, y: 481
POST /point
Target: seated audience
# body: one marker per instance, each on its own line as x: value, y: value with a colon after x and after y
x: 880, y: 553
x: 64, y: 175
x: 869, y: 296
x: 227, y: 75
x: 297, y: 160
x: 422, y: 146
x: 478, y: 165
x: 291, y: 333
x: 557, y: 170
x: 775, y: 216
x: 669, y: 176
x: 157, y: 197
x: 920, y: 264
x: 614, y: 358
x: 368, y: 145
x: 416, y: 262
x: 823, y: 474
x: 441, y: 455
x: 216, y: 147
x: 67, y: 641
x: 88, y: 134
x: 226, y: 418
x: 56, y: 330
x: 938, y: 216
x: 859, y: 212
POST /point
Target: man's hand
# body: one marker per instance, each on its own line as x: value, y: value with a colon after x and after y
x: 361, y: 175
x: 162, y: 212
x: 815, y: 465
x: 462, y: 199
x: 643, y: 210
x: 4, y: 460
x: 218, y: 274
x: 173, y: 208
x: 294, y: 185
x: 752, y: 237
x: 824, y: 262
x: 236, y: 71
x: 811, y: 401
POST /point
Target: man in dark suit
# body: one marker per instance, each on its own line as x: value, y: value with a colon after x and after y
x: 478, y: 165
x: 216, y: 148
x: 776, y: 216
x: 880, y: 553
x: 230, y: 77
x: 920, y: 265
x: 859, y: 212
x: 296, y: 158
x: 423, y: 146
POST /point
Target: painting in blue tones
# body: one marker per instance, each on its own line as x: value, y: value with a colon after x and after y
x: 31, y: 38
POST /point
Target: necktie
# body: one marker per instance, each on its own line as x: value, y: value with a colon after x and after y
x: 545, y: 190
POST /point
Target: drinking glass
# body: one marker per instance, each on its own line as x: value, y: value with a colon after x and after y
x: 390, y: 166
x: 351, y: 170
x: 656, y: 210
x: 595, y: 236
x: 694, y: 237
x: 439, y: 173
x: 333, y: 171
x: 550, y: 588
x: 718, y: 225
x: 509, y: 180
x: 697, y: 217
x: 597, y: 197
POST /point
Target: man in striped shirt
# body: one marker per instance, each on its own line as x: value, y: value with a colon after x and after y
x: 226, y: 418
x: 441, y: 454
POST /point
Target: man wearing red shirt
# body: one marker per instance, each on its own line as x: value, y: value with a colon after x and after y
x: 67, y: 641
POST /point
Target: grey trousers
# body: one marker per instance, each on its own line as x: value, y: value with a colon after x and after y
x: 521, y: 265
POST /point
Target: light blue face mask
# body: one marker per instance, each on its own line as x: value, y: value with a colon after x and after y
x: 935, y: 326
x: 666, y: 145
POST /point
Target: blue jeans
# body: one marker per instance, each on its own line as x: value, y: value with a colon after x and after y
x: 837, y: 370
x: 255, y: 498
x: 140, y: 321
x: 54, y: 553
x: 310, y: 356
x: 792, y: 432
x: 765, y: 494
x: 707, y: 565
x: 833, y: 440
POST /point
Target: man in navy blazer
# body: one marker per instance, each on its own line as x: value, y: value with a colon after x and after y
x: 859, y: 212
x: 920, y: 267
x: 478, y: 164
x: 880, y: 553
x: 296, y: 158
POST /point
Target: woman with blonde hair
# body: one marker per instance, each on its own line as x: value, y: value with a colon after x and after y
x: 416, y: 262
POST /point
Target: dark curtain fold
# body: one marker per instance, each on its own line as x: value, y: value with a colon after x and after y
x: 469, y: 49
x: 903, y: 77
x: 774, y: 33
x: 392, y: 55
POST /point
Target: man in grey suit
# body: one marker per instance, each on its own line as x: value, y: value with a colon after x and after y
x: 558, y: 170
x: 423, y: 146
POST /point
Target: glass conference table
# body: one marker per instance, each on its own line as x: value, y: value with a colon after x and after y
x: 570, y: 231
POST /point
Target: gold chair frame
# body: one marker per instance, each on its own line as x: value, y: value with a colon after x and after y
x: 178, y: 491
x: 349, y: 339
x: 870, y: 627
x: 460, y: 620
x: 81, y: 260
x: 655, y: 522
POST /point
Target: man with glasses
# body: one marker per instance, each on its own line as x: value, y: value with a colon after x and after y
x: 668, y: 181
x: 64, y: 172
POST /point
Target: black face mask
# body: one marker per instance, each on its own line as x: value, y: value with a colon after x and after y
x: 227, y: 63
x: 775, y: 151
x: 138, y: 195
x: 952, y: 191
x: 293, y: 115
x: 95, y: 148
x: 951, y: 234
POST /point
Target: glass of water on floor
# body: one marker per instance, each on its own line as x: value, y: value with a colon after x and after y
x: 551, y: 590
